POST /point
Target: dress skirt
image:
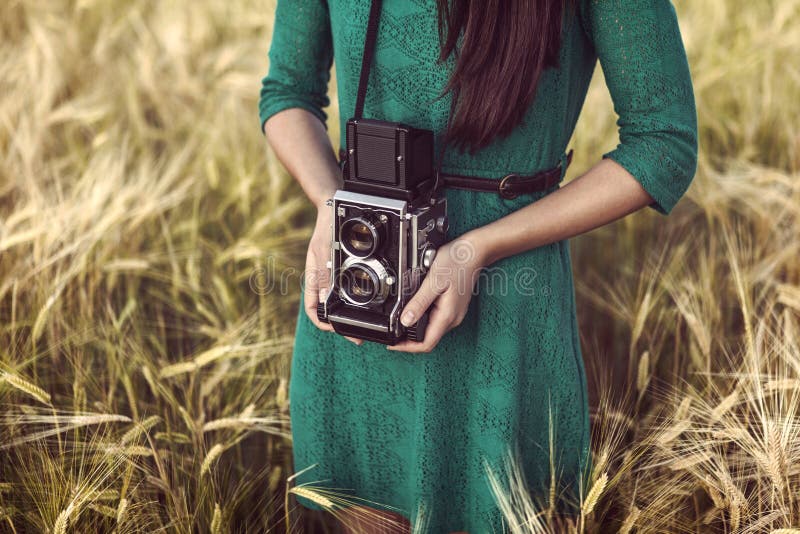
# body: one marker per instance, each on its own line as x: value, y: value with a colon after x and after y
x: 418, y: 433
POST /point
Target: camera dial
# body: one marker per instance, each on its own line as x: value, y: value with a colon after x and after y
x: 364, y: 281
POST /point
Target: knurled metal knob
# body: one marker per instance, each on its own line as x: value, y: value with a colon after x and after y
x: 427, y: 257
x: 442, y: 224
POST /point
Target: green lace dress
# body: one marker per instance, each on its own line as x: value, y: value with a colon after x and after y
x: 416, y: 433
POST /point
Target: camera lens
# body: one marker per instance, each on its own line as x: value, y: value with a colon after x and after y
x: 360, y: 236
x: 359, y: 283
x: 364, y: 281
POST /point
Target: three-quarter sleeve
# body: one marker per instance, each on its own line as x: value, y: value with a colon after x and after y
x: 639, y: 46
x: 300, y: 59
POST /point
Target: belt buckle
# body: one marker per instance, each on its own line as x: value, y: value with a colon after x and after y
x: 503, y: 188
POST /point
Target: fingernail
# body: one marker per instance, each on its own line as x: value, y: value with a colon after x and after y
x: 407, y: 318
x: 322, y: 293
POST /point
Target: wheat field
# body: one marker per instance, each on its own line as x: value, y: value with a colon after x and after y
x: 143, y: 373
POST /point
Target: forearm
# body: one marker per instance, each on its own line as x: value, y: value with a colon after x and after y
x: 603, y: 194
x: 301, y: 143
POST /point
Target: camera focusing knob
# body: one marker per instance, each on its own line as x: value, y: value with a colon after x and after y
x: 427, y: 257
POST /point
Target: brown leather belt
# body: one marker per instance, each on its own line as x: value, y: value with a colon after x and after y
x: 509, y: 186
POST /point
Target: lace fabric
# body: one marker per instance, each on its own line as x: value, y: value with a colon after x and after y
x: 407, y: 431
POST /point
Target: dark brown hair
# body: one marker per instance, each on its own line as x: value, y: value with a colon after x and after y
x: 505, y: 47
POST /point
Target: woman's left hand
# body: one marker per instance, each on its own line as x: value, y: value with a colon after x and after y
x: 448, y: 288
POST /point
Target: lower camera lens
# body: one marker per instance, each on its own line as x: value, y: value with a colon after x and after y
x: 359, y: 282
x: 364, y: 281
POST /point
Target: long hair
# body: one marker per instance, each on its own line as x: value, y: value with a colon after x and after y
x: 506, y: 46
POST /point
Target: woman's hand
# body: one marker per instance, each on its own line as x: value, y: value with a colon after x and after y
x: 316, y: 274
x: 447, y: 287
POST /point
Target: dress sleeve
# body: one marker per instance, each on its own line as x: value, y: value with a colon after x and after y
x: 639, y: 46
x: 300, y: 59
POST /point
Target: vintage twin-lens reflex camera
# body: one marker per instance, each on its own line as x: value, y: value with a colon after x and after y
x: 387, y: 226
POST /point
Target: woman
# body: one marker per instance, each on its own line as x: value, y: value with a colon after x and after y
x: 413, y: 429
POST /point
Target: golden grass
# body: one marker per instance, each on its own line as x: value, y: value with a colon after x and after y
x: 143, y: 374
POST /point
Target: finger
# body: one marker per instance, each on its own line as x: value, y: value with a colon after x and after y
x: 312, y: 315
x: 428, y: 292
x: 311, y: 297
x: 355, y: 340
x: 440, y: 321
x: 316, y: 279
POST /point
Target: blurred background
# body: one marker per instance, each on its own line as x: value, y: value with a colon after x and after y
x: 144, y: 370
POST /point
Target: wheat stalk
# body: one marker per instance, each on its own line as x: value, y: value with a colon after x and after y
x: 724, y: 406
x: 104, y: 510
x: 139, y: 428
x: 25, y: 386
x: 213, y: 453
x: 594, y: 494
x: 312, y: 496
x: 122, y: 510
x: 643, y: 374
x: 216, y: 521
x: 63, y: 519
x: 630, y: 520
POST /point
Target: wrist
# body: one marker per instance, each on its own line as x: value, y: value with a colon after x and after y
x: 321, y: 204
x: 484, y: 251
x: 324, y: 217
x: 320, y: 200
x: 326, y: 186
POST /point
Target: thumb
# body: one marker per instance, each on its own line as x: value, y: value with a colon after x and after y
x: 421, y: 301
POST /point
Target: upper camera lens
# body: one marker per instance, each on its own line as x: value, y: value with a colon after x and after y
x: 359, y: 236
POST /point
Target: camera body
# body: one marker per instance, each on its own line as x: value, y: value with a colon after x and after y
x: 387, y: 226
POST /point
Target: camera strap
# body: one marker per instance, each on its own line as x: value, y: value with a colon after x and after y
x: 509, y: 186
x: 366, y: 59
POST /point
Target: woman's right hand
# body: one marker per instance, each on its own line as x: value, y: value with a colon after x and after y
x: 318, y: 173
x: 317, y: 274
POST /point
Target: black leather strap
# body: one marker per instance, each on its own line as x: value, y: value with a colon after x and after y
x: 366, y: 59
x: 509, y: 186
